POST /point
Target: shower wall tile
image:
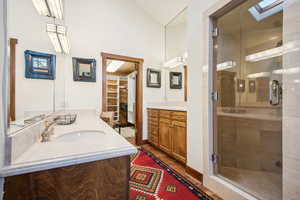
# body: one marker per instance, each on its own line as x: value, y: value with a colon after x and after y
x: 291, y: 103
x: 250, y: 144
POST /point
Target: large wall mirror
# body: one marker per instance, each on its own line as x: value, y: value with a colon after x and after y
x: 35, y: 79
x: 176, y: 49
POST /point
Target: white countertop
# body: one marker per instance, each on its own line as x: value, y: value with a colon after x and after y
x: 53, y: 154
x: 180, y: 106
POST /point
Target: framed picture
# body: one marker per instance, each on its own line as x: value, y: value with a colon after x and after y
x: 39, y: 65
x: 84, y: 70
x: 175, y: 80
x: 153, y: 78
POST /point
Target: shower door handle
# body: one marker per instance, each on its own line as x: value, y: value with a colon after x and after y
x: 275, y: 92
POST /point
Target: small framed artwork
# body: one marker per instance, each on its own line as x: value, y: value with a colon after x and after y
x: 175, y: 80
x: 84, y: 69
x: 153, y: 78
x: 39, y: 65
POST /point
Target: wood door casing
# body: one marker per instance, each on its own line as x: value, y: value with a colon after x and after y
x: 178, y: 130
x: 139, y: 89
x: 165, y: 137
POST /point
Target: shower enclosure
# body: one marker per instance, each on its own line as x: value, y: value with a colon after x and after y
x: 247, y: 57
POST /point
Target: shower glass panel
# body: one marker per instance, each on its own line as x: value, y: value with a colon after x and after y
x: 248, y: 112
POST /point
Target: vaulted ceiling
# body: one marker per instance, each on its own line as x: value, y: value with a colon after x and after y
x: 163, y: 11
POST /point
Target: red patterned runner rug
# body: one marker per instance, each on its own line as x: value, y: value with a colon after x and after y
x: 151, y: 179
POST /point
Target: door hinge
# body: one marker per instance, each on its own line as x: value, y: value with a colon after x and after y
x: 214, y: 158
x: 215, y: 96
x: 215, y: 32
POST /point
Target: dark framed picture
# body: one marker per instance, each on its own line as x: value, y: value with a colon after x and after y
x: 175, y: 80
x: 153, y: 78
x: 84, y: 69
x: 39, y: 65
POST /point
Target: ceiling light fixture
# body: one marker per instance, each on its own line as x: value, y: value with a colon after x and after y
x: 259, y: 75
x: 293, y: 70
x: 58, y: 37
x: 114, y: 65
x: 226, y: 65
x: 175, y: 62
x: 49, y: 8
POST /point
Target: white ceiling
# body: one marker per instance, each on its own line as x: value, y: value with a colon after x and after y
x: 163, y: 11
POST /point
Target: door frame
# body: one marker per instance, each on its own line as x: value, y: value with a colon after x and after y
x: 139, y: 89
x: 213, y: 75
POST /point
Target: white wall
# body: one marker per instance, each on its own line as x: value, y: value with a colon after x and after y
x: 3, y: 63
x: 117, y: 27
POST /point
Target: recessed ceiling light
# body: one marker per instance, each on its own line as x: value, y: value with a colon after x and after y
x: 58, y: 37
x: 49, y: 8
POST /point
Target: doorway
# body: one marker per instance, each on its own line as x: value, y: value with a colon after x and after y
x: 122, y: 94
x: 247, y: 98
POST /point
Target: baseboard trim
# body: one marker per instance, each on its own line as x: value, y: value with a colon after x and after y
x: 194, y: 173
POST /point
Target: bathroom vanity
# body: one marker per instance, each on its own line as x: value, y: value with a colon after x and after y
x: 85, y: 160
x: 167, y: 129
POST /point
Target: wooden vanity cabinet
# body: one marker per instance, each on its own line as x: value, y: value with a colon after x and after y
x: 167, y: 131
x: 98, y: 180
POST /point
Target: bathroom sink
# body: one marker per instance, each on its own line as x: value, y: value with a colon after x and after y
x: 80, y: 136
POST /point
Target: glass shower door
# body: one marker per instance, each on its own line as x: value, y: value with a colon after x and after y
x: 248, y: 113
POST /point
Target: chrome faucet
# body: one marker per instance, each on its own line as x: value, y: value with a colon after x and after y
x: 48, y: 131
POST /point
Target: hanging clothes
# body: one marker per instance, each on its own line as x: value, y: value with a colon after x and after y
x: 131, y: 78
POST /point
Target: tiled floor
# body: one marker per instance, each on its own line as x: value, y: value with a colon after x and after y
x: 179, y: 168
x: 263, y: 184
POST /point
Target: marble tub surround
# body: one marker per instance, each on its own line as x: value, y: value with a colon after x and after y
x: 26, y: 122
x: 169, y: 105
x: 21, y: 140
x: 64, y: 152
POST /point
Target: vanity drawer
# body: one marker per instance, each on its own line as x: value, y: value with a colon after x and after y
x: 153, y: 113
x: 164, y: 121
x: 178, y: 124
x: 165, y: 114
x: 153, y: 119
x: 154, y: 131
x: 153, y: 140
x: 179, y: 116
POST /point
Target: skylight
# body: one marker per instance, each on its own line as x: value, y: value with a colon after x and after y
x: 265, y: 3
x: 114, y: 65
x: 266, y: 8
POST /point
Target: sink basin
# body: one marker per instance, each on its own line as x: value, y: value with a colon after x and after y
x: 80, y: 136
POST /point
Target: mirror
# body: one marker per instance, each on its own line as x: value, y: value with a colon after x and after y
x: 176, y: 47
x: 35, y: 80
x: 176, y: 36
